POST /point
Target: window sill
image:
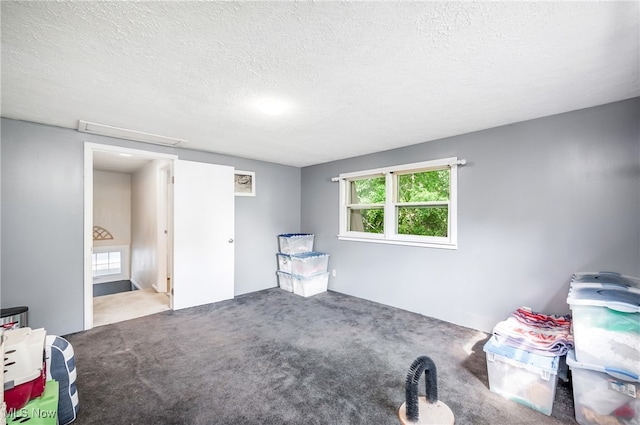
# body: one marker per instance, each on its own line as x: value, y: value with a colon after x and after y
x: 399, y: 242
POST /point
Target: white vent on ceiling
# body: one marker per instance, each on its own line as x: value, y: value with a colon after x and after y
x: 123, y: 133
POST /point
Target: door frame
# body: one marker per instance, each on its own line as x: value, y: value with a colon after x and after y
x: 165, y: 230
x: 89, y: 149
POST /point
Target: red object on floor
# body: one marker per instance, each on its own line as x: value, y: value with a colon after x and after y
x: 18, y: 396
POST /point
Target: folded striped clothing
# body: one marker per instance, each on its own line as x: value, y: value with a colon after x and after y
x: 538, y: 333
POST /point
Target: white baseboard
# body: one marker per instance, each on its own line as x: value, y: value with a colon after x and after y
x: 134, y: 283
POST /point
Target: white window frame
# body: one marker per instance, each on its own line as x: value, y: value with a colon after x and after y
x: 124, y: 263
x: 390, y: 235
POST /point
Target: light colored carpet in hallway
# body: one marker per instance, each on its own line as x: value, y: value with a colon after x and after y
x: 128, y: 305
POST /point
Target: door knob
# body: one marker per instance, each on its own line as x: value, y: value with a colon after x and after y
x: 230, y: 240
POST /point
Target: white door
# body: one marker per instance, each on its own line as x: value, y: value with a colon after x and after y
x: 203, y: 231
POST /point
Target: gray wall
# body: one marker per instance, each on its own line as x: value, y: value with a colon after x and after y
x: 42, y: 220
x: 537, y: 201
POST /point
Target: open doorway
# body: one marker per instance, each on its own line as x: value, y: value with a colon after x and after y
x: 129, y: 220
x: 197, y: 230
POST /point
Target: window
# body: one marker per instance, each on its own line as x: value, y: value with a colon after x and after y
x: 110, y: 263
x: 412, y: 204
x: 365, y: 207
x: 105, y: 263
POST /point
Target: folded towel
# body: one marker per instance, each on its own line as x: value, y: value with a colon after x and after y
x: 547, y: 335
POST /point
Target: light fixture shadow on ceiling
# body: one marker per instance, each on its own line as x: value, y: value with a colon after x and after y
x: 123, y: 133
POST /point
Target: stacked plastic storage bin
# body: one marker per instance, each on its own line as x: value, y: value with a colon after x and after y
x: 523, y: 357
x: 527, y: 378
x: 300, y: 269
x: 605, y: 364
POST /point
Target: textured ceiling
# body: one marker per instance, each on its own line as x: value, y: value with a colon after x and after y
x: 359, y: 77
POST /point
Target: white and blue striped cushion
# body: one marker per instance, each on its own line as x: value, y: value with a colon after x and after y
x: 61, y: 367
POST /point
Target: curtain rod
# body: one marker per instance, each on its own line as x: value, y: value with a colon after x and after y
x: 458, y: 162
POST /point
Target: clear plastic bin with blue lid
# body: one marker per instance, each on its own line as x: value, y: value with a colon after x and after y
x: 603, y: 393
x: 536, y: 361
x: 605, y: 278
x: 527, y: 378
x: 303, y: 264
x: 295, y: 243
x: 309, y: 263
x: 606, y: 319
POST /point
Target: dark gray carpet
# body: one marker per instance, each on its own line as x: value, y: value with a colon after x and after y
x: 274, y: 358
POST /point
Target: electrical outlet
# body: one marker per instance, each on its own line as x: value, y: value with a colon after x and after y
x: 333, y: 272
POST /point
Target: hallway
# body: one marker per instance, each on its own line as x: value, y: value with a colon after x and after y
x: 128, y: 305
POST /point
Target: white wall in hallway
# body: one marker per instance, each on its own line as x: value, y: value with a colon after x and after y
x: 112, y: 206
x: 144, y: 225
